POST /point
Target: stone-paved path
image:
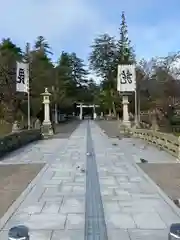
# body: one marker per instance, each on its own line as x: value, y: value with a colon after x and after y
x: 118, y: 198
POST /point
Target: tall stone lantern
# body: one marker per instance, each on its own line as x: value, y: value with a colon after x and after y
x: 47, y: 130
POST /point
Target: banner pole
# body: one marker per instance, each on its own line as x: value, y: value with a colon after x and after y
x: 29, y: 114
x: 28, y: 88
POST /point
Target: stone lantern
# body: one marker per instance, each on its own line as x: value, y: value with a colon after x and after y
x: 125, y: 102
x: 47, y: 130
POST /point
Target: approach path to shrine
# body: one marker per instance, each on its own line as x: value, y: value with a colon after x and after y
x: 90, y: 188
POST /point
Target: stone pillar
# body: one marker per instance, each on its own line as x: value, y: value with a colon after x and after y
x: 46, y: 125
x: 55, y: 114
x: 81, y: 112
x: 37, y: 124
x: 154, y: 123
x: 125, y: 103
x: 94, y: 112
x: 15, y: 127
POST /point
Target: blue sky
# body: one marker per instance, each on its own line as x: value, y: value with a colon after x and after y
x: 71, y: 25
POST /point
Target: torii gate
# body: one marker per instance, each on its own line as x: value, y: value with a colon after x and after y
x: 81, y: 106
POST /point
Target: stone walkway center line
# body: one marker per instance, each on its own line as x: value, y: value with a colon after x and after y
x: 91, y: 189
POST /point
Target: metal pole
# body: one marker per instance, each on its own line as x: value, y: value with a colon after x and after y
x: 56, y: 115
x: 28, y: 88
x: 136, y: 110
x: 56, y: 88
x: 29, y: 113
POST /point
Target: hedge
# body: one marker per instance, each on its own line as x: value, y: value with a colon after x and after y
x: 16, y: 140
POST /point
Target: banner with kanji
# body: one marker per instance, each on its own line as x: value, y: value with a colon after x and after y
x: 126, y: 79
x: 22, y: 77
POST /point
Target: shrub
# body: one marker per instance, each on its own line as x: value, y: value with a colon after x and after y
x: 16, y: 140
x: 175, y: 120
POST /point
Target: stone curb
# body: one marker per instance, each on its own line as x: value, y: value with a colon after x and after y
x: 21, y: 198
x: 175, y: 209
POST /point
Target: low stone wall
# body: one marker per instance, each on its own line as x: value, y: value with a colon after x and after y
x: 167, y: 142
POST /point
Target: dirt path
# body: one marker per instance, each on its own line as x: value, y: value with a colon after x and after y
x: 13, y: 181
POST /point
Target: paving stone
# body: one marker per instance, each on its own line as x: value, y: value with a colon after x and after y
x: 136, y: 179
x: 147, y: 187
x: 64, y: 178
x: 18, y: 219
x: 51, y: 208
x: 81, y: 179
x: 72, y: 205
x: 142, y: 203
x: 148, y: 234
x: 51, y: 182
x: 132, y: 187
x: 68, y: 235
x: 118, y: 234
x: 31, y: 208
x: 122, y: 194
x: 46, y: 221
x: 145, y: 195
x: 168, y: 216
x: 111, y: 207
x: 107, y: 192
x: 75, y: 221
x: 36, y: 192
x: 108, y: 181
x: 51, y: 198
x: 149, y: 221
x: 121, y: 179
x: 123, y: 220
x: 79, y: 189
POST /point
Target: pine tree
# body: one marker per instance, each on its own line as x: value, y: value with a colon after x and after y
x: 125, y: 52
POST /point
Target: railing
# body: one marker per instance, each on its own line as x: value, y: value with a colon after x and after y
x: 167, y: 142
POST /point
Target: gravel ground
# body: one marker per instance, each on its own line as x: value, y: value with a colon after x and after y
x: 166, y: 176
x: 64, y: 130
x: 13, y: 181
x: 110, y: 127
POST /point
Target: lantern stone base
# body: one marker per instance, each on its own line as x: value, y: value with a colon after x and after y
x: 47, y: 130
x: 127, y: 123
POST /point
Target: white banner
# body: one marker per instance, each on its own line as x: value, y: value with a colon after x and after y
x: 126, y: 79
x: 22, y: 77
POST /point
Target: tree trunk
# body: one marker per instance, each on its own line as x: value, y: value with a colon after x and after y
x: 114, y: 109
x: 113, y: 103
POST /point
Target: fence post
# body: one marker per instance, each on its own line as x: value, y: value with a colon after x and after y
x: 19, y: 233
